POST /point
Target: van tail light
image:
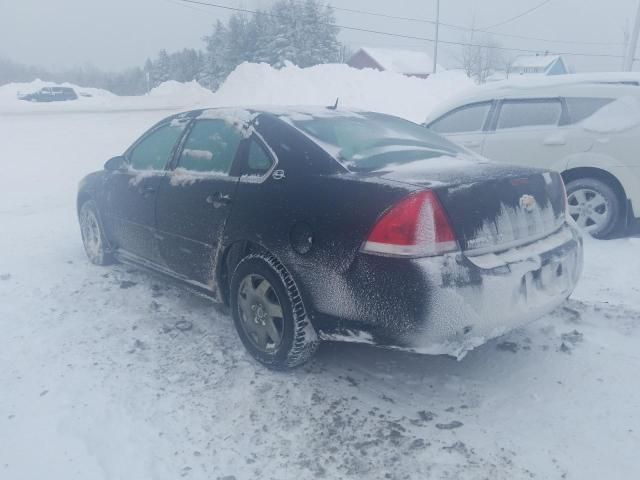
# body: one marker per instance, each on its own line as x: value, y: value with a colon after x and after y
x: 417, y: 226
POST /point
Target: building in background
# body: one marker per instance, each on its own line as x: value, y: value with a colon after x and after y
x: 411, y: 63
x: 539, y: 65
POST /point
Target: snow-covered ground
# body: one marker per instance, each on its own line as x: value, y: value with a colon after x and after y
x: 111, y: 373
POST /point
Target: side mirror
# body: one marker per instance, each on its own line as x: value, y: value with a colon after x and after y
x: 115, y: 163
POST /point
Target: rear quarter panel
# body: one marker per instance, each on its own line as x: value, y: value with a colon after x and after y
x: 317, y: 199
x: 335, y: 211
x: 620, y: 156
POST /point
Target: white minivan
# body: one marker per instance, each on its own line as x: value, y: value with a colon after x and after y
x: 585, y: 126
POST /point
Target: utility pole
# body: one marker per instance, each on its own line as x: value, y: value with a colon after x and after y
x: 435, y: 46
x: 625, y: 45
x: 631, y: 51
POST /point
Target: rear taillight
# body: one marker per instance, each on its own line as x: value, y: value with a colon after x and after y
x: 417, y: 226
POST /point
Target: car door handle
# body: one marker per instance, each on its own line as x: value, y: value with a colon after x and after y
x: 471, y: 143
x: 218, y: 199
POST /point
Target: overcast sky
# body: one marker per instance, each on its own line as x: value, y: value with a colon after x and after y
x: 114, y: 34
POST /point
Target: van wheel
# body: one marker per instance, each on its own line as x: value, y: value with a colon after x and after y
x: 594, y: 206
x: 269, y: 313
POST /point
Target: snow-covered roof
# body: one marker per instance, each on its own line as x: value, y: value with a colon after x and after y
x: 402, y: 61
x: 535, y: 61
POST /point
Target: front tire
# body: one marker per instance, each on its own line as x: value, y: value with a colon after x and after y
x: 93, y: 238
x: 269, y: 313
x: 594, y: 206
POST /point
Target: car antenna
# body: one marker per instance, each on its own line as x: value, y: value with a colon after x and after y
x: 335, y: 105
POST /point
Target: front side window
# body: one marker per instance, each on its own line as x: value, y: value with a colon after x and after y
x: 210, y: 147
x: 154, y: 151
x: 470, y: 118
x: 529, y: 113
x: 583, y: 107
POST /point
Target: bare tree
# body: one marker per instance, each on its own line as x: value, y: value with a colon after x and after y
x: 481, y: 56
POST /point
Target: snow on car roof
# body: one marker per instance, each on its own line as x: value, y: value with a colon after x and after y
x: 242, y: 117
x: 291, y: 112
x: 518, y: 82
x: 614, y: 84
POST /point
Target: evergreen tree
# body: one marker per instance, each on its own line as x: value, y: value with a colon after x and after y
x: 295, y: 31
x: 290, y: 31
x: 162, y: 69
x: 214, y: 69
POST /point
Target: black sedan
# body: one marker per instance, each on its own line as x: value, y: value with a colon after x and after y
x: 322, y: 224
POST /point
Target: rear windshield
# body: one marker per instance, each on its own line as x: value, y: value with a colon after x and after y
x: 372, y: 141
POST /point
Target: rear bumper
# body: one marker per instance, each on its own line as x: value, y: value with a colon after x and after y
x: 452, y: 303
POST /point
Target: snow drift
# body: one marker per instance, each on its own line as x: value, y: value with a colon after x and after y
x: 387, y: 92
x: 261, y: 84
x: 180, y: 94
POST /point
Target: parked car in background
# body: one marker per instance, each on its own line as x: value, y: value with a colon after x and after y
x: 330, y: 224
x: 51, y: 94
x: 587, y: 127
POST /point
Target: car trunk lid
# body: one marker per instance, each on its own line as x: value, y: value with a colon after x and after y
x: 491, y: 207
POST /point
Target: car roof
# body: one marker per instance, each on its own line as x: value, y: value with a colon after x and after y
x: 291, y: 112
x: 602, y: 85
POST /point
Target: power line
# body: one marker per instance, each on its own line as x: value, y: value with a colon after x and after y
x: 463, y: 28
x: 397, y: 35
x: 520, y: 15
x: 539, y: 39
x: 468, y: 29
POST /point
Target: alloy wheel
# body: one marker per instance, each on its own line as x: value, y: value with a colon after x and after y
x: 589, y: 209
x: 261, y: 314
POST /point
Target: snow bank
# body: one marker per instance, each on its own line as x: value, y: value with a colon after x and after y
x: 261, y: 84
x: 387, y: 92
x: 618, y: 116
x: 180, y: 94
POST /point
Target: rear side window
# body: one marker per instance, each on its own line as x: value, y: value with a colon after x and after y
x: 529, y: 113
x: 259, y: 162
x: 470, y: 118
x: 368, y: 142
x: 210, y: 147
x: 583, y: 107
x: 154, y: 150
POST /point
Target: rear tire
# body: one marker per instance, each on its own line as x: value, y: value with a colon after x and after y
x: 269, y: 313
x: 594, y: 206
x: 93, y: 238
